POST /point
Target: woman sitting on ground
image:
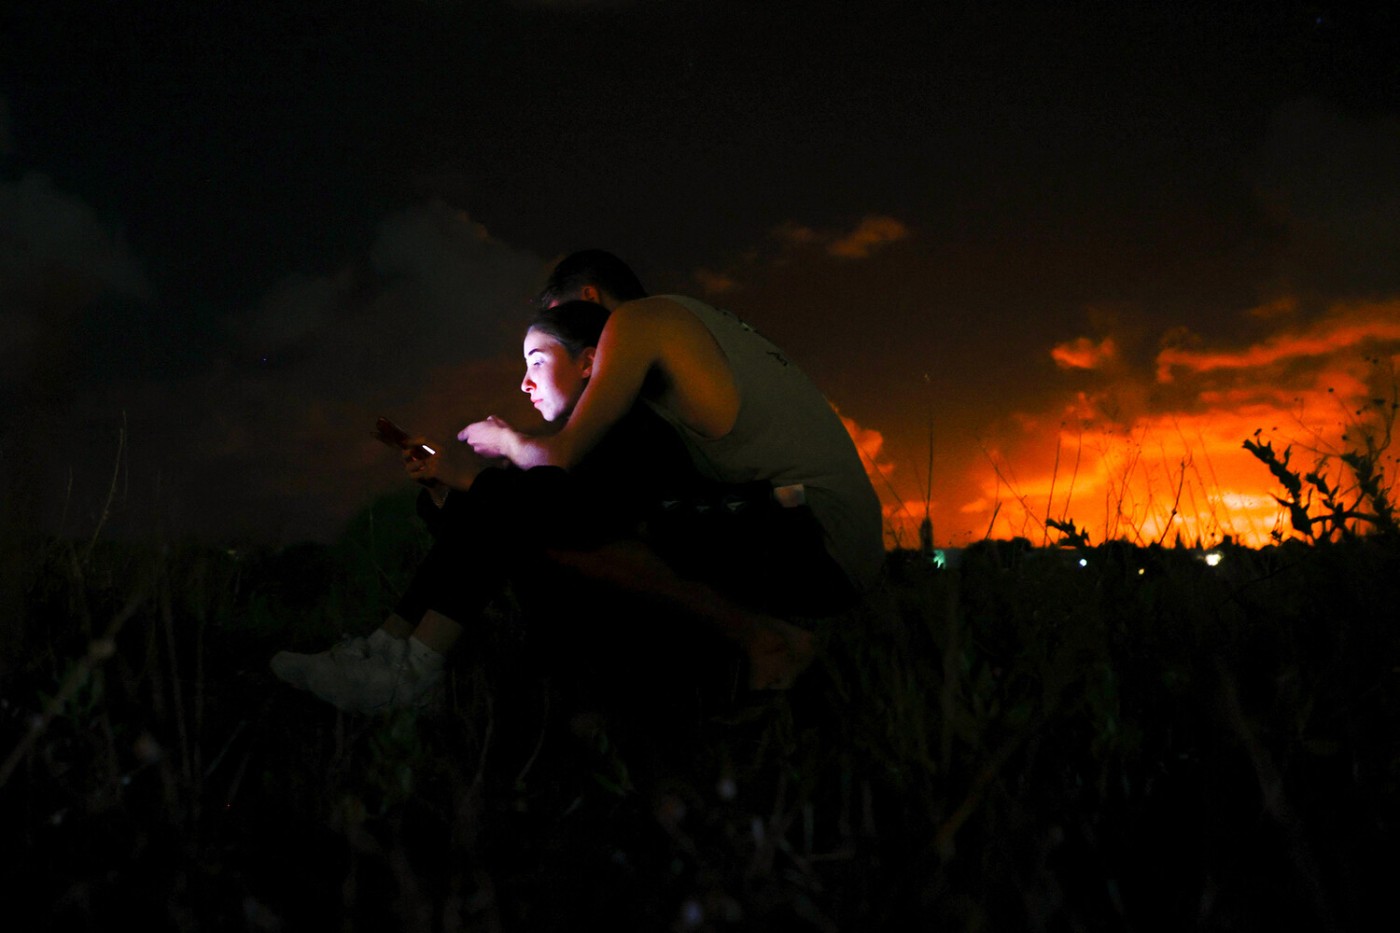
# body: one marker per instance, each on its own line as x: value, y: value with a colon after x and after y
x: 488, y: 521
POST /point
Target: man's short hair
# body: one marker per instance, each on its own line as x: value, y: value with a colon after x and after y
x: 595, y: 267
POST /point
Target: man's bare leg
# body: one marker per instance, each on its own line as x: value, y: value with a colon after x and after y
x: 438, y: 632
x: 397, y: 626
x: 776, y: 651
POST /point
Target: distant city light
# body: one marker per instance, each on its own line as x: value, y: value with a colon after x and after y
x: 1213, y: 558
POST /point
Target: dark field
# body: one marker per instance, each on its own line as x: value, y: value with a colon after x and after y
x: 1145, y: 743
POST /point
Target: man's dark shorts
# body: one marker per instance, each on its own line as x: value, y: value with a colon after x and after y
x: 741, y: 541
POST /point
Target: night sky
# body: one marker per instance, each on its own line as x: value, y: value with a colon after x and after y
x: 1080, y: 251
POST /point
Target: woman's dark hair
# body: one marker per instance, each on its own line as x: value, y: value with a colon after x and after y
x: 575, y: 324
x: 595, y: 267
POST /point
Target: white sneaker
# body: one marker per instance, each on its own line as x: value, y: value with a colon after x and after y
x: 367, y: 683
x: 295, y: 668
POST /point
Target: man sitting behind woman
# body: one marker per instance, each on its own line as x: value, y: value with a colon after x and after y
x: 784, y: 521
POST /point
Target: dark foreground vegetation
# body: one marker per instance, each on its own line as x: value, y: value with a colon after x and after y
x: 1023, y: 743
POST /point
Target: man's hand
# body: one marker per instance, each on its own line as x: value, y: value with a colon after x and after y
x: 491, y: 438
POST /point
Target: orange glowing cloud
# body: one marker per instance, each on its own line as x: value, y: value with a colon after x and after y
x: 1083, y: 353
x: 1345, y: 329
x: 871, y: 445
x: 902, y: 516
x: 715, y: 283
x: 795, y: 234
x: 872, y: 233
x: 1285, y: 306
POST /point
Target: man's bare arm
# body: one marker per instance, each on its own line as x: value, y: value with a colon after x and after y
x: 630, y: 345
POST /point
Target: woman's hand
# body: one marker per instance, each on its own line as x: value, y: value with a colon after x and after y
x: 421, y: 469
x: 491, y: 438
x: 442, y: 471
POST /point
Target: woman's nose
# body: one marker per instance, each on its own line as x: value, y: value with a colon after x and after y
x: 526, y: 385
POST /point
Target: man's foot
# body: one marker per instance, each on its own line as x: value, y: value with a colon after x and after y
x: 778, y: 655
x: 295, y: 668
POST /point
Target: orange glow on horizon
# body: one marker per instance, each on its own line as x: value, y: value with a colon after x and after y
x: 1157, y: 457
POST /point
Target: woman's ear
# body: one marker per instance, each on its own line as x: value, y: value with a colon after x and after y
x: 586, y: 360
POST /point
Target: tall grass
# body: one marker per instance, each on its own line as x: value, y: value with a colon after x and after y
x: 1141, y: 741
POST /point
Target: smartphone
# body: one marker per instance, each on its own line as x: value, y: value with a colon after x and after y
x: 395, y: 436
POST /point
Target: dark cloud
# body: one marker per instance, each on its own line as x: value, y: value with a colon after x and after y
x: 58, y: 263
x: 433, y: 288
x: 270, y: 437
x: 1333, y: 183
x: 424, y: 329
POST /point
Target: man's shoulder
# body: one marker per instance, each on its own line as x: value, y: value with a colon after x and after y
x: 659, y: 317
x: 654, y: 306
